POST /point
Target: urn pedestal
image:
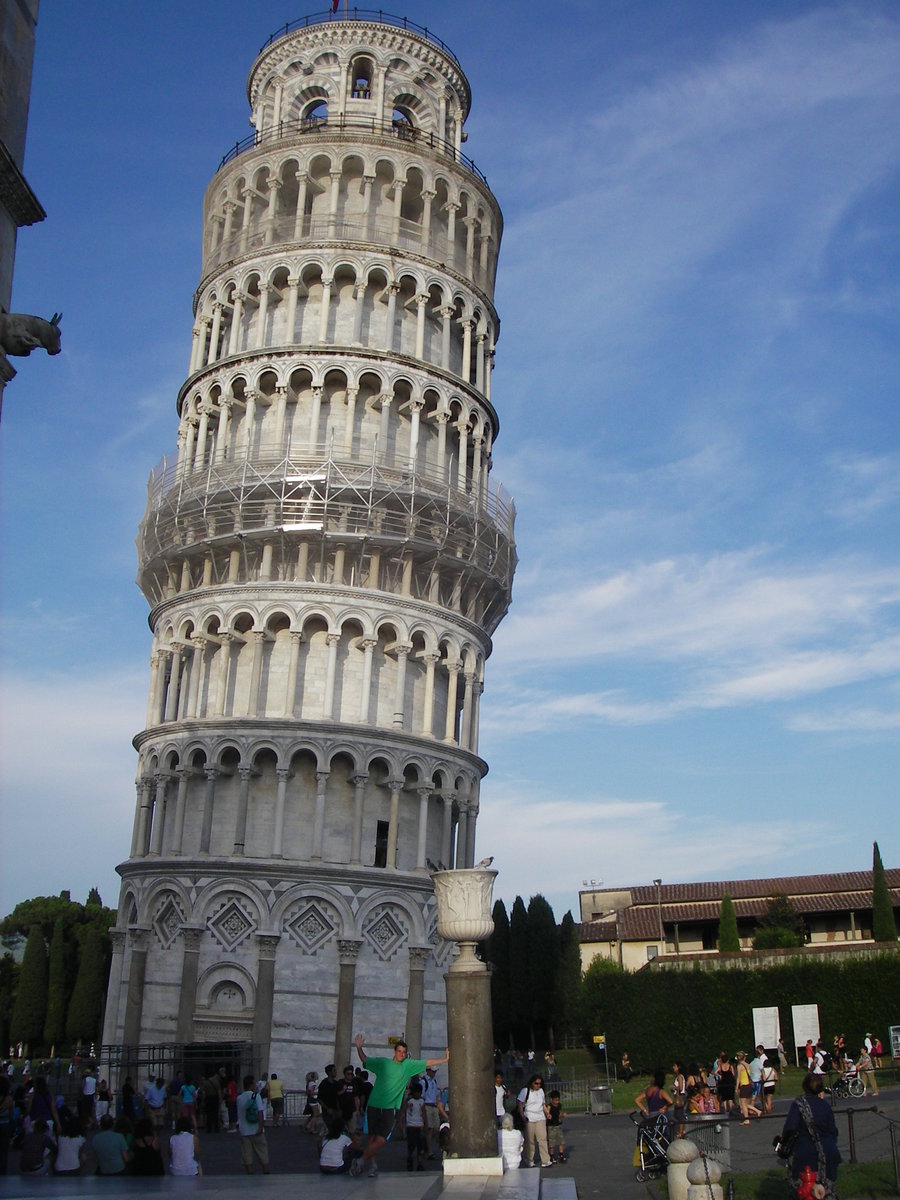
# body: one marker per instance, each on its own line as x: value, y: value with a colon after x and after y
x: 464, y: 916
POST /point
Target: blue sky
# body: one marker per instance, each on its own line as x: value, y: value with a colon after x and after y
x: 697, y: 384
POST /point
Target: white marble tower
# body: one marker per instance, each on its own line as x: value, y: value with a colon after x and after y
x: 325, y: 562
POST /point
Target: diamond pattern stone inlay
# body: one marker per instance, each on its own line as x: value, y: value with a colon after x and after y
x: 167, y: 922
x: 311, y: 928
x: 385, y: 935
x: 230, y: 925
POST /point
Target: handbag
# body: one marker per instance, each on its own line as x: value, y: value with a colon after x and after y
x: 783, y: 1144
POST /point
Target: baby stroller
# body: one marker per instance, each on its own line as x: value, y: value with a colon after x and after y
x: 652, y: 1141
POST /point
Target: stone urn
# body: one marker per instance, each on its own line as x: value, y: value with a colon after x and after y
x: 464, y: 902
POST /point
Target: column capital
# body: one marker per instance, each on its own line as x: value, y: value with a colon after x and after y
x: 359, y: 779
x: 267, y: 944
x: 191, y: 935
x: 283, y: 774
x: 348, y: 949
x: 139, y: 936
x: 418, y: 957
x: 117, y: 938
x: 322, y: 777
x: 332, y: 639
x: 212, y: 773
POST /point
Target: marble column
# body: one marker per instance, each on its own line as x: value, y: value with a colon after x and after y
x: 267, y: 945
x: 139, y: 937
x: 245, y: 774
x: 283, y: 774
x: 396, y: 786
x: 359, y: 793
x: 415, y: 999
x: 319, y: 818
x: 209, y: 797
x: 348, y: 949
x: 111, y: 1015
x: 187, y: 995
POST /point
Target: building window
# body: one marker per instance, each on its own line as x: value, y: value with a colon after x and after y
x: 652, y: 952
x: 381, y: 841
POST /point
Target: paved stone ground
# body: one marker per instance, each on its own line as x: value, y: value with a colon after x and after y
x: 599, y: 1164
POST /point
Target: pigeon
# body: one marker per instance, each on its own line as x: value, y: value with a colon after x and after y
x: 485, y: 863
x: 432, y: 866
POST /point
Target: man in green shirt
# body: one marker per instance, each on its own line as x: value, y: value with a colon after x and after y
x: 391, y: 1077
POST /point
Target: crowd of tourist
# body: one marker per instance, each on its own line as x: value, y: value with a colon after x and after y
x: 154, y: 1130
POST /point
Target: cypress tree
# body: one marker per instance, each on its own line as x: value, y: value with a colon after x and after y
x: 497, y: 954
x: 884, y: 928
x: 519, y: 1000
x: 543, y: 965
x: 30, y: 1008
x: 567, y: 1004
x: 86, y: 1005
x: 55, y: 1021
x: 729, y: 941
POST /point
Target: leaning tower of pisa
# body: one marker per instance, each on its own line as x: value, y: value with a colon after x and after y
x: 325, y: 560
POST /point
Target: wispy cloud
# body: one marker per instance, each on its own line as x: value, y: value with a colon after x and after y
x: 610, y: 836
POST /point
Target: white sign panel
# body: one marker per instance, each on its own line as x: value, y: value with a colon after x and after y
x: 806, y: 1026
x: 766, y: 1028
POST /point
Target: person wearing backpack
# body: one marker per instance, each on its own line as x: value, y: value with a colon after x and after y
x: 251, y: 1127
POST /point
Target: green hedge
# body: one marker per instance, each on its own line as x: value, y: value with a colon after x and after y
x: 660, y: 1015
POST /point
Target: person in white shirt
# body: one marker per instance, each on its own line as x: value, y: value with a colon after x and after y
x: 509, y: 1143
x: 533, y: 1110
x: 335, y: 1144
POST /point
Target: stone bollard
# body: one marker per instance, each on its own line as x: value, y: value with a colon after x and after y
x: 681, y: 1154
x: 703, y: 1177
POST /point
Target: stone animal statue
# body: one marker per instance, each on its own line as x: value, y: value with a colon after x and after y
x: 20, y: 333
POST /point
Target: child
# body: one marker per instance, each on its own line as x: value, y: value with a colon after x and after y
x: 311, y: 1111
x: 415, y: 1128
x: 556, y: 1142
x: 335, y: 1145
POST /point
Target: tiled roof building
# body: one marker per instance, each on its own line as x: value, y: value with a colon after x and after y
x: 635, y: 925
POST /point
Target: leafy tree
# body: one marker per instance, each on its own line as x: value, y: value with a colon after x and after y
x: 780, y: 926
x: 55, y: 1022
x: 884, y: 928
x: 567, y: 1000
x: 728, y: 931
x: 497, y: 954
x: 543, y: 964
x: 519, y: 1000
x: 86, y: 1005
x: 93, y: 899
x: 30, y: 1008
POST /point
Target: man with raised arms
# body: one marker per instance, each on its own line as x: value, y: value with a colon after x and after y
x: 391, y: 1078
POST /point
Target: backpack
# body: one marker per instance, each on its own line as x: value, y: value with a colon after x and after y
x: 251, y: 1112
